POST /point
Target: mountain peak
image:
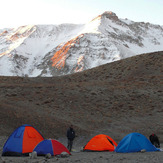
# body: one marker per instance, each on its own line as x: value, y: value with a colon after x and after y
x: 107, y: 15
x: 110, y: 15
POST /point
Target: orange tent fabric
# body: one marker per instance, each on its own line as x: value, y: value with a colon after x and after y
x: 101, y: 143
x: 31, y: 138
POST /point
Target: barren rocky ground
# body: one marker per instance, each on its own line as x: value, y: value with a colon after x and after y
x: 115, y: 99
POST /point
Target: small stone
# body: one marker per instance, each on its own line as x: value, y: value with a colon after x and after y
x: 48, y: 156
x: 33, y: 155
x: 64, y: 154
x: 143, y: 150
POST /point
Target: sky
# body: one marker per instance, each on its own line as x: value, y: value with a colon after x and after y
x: 14, y: 13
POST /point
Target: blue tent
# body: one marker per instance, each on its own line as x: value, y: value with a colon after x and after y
x: 135, y: 142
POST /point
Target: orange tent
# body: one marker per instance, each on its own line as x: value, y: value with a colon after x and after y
x: 101, y: 143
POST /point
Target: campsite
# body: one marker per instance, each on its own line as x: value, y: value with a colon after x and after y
x: 81, y: 81
x: 80, y: 156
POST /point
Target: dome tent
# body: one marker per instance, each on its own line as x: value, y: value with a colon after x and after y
x: 51, y: 146
x: 100, y: 143
x: 22, y: 141
x: 135, y: 142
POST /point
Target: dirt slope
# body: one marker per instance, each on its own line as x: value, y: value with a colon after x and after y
x: 115, y: 99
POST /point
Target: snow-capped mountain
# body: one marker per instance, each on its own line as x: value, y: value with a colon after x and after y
x: 51, y: 50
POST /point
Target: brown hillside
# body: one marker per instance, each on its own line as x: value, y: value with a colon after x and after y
x: 115, y: 99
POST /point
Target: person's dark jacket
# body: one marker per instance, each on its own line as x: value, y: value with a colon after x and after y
x: 70, y: 133
x: 154, y: 140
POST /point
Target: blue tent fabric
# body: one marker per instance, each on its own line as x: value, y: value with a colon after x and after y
x: 135, y: 142
x: 44, y: 148
x: 17, y: 138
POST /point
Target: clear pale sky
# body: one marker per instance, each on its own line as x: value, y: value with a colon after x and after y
x: 15, y: 13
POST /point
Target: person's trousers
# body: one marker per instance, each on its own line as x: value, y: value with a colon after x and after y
x: 70, y: 143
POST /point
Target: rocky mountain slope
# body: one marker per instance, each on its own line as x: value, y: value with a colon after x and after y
x: 115, y: 99
x: 54, y: 50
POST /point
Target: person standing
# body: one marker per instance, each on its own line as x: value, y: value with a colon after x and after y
x: 70, y: 137
x: 154, y: 140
